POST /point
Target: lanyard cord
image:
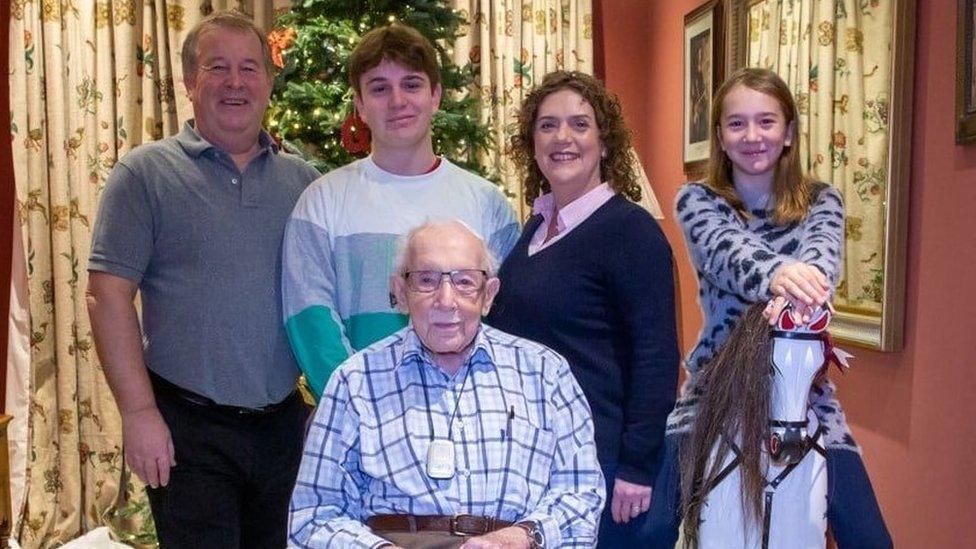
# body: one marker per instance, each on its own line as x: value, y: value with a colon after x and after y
x: 457, y: 402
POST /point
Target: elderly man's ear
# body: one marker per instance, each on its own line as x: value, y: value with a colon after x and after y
x: 398, y: 297
x: 491, y: 290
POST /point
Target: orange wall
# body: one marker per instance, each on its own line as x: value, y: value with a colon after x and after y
x: 914, y: 412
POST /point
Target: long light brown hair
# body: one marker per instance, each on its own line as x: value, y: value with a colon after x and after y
x: 736, y: 400
x: 616, y: 167
x: 791, y: 187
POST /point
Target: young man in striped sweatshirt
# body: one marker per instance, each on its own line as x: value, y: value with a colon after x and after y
x: 339, y: 244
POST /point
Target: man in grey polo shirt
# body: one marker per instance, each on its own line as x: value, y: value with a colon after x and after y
x: 210, y: 417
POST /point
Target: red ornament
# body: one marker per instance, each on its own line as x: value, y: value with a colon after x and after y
x: 355, y: 135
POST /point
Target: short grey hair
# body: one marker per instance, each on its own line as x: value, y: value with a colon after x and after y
x: 223, y: 20
x: 490, y: 262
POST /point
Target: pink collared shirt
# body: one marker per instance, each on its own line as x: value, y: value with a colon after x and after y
x: 569, y: 217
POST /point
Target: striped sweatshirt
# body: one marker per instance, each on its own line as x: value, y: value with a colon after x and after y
x: 340, y: 245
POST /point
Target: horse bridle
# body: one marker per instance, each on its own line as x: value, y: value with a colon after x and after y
x: 787, y: 440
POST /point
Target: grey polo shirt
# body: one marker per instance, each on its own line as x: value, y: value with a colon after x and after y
x: 203, y: 241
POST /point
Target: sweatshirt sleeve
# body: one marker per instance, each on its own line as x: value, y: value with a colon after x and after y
x: 503, y: 230
x: 308, y: 287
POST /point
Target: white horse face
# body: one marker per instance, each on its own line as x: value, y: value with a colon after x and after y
x: 798, y: 357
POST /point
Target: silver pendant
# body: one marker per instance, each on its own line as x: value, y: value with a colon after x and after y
x: 440, y: 459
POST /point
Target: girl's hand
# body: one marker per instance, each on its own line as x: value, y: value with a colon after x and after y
x: 774, y: 308
x: 802, y: 284
x: 800, y: 312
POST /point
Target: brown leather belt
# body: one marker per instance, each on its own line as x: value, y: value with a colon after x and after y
x: 459, y: 525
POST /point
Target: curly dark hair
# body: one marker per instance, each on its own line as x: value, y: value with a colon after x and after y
x: 616, y: 168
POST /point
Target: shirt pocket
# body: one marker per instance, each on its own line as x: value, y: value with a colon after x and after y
x: 524, y: 460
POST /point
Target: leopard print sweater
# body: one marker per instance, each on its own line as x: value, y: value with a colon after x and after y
x: 735, y: 259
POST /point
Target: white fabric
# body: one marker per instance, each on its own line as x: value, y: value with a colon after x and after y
x: 18, y: 372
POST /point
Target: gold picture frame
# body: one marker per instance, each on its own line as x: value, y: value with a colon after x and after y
x: 882, y: 331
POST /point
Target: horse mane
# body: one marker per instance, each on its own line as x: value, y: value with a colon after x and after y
x: 736, y: 399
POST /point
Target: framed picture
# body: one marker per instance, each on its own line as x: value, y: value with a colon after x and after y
x: 965, y: 75
x: 703, y: 69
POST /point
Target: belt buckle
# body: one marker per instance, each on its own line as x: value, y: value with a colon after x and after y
x: 454, y: 527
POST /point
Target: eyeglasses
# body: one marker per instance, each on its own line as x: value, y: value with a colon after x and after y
x: 465, y: 281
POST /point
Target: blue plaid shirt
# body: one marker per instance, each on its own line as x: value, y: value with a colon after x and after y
x: 366, y: 450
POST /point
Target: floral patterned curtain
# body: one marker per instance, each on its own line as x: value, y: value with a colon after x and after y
x: 836, y: 56
x: 511, y: 45
x: 89, y: 81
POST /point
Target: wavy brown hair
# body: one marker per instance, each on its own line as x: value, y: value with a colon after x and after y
x: 736, y: 386
x: 616, y: 168
x: 396, y: 42
x: 792, y: 189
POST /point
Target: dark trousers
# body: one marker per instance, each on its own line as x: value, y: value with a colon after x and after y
x: 852, y: 509
x: 233, y: 478
x: 612, y: 535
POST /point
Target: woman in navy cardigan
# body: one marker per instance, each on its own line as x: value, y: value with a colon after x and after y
x: 591, y: 277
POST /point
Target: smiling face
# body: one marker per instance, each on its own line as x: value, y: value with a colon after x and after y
x: 230, y: 87
x: 397, y: 103
x: 445, y: 320
x: 753, y: 132
x: 567, y: 144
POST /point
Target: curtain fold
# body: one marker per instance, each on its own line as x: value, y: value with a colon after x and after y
x: 89, y: 81
x: 836, y: 57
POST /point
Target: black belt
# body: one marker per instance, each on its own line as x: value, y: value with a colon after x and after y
x: 459, y: 525
x: 165, y: 387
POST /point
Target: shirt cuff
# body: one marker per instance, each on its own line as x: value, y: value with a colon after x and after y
x: 549, y: 527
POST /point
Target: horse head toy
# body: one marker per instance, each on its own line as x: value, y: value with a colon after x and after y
x: 756, y: 440
x: 798, y: 359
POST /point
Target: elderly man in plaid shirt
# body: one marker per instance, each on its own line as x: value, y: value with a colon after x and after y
x: 449, y: 433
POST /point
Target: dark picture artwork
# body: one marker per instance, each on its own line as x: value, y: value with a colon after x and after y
x: 703, y: 69
x: 971, y: 106
x: 965, y: 75
x: 701, y: 64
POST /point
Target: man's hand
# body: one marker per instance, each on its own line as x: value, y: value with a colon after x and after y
x: 148, y: 446
x: 511, y: 537
x: 629, y: 500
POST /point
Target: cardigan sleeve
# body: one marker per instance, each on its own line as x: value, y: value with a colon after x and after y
x: 642, y: 289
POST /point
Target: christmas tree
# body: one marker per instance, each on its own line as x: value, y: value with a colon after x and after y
x: 311, y: 109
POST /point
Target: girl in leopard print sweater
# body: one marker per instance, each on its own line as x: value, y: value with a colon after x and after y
x: 760, y: 231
